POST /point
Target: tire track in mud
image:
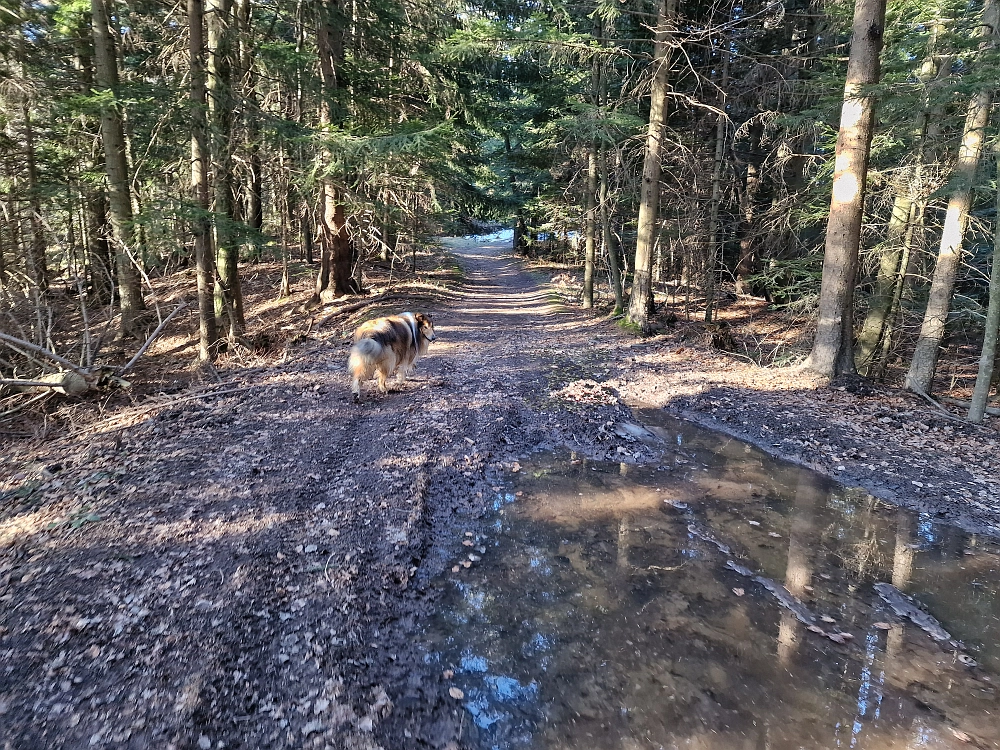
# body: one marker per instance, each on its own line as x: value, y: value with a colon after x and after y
x: 264, y: 560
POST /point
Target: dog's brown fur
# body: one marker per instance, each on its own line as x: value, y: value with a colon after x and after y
x: 386, y: 346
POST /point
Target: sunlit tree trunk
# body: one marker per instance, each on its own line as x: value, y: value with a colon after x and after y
x: 590, y: 258
x: 335, y: 245
x: 591, y: 227
x: 907, y: 209
x: 833, y: 351
x: 116, y: 167
x: 202, y: 227
x: 925, y: 354
x: 649, y: 200
x: 987, y: 360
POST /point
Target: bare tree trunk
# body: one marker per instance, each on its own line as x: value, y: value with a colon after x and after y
x: 907, y: 210
x: 119, y: 193
x: 833, y: 351
x: 228, y: 294
x: 37, y: 264
x: 925, y: 355
x: 255, y: 180
x: 714, y: 243
x: 748, y: 263
x: 208, y: 334
x: 596, y: 101
x: 591, y: 227
x: 987, y: 359
x: 649, y: 201
x: 608, y: 235
x: 335, y: 245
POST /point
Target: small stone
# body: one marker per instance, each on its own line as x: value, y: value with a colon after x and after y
x: 456, y: 693
x: 204, y: 743
x: 366, y: 724
x: 313, y: 727
x: 309, y: 549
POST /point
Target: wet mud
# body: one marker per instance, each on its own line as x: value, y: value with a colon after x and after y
x: 720, y: 599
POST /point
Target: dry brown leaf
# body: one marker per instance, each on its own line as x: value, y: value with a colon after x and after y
x: 455, y: 693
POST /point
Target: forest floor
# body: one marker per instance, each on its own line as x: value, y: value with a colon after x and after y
x: 248, y: 561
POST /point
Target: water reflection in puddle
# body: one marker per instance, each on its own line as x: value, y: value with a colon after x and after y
x: 603, y: 613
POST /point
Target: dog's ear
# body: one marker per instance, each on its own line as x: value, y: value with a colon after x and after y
x: 424, y: 318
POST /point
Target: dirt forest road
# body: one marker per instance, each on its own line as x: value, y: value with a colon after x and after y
x: 251, y: 570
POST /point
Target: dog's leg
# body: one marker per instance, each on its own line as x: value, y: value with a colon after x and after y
x: 356, y: 391
x: 383, y: 377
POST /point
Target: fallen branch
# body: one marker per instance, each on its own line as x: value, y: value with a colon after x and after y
x: 13, y: 342
x: 938, y: 406
x: 11, y: 412
x: 991, y: 410
x: 152, y: 338
x: 346, y: 310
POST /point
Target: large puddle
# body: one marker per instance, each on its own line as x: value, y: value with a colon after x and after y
x: 722, y: 601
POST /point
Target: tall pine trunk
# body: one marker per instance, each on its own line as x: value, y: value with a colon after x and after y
x: 833, y: 350
x: 200, y: 164
x: 875, y: 338
x: 925, y: 355
x: 335, y: 245
x: 127, y: 254
x: 37, y: 263
x: 715, y: 244
x: 649, y: 200
x: 608, y: 236
x: 228, y: 294
x: 590, y: 258
x: 591, y: 227
x: 987, y: 360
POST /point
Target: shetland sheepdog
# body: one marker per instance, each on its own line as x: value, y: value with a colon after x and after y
x: 388, y: 345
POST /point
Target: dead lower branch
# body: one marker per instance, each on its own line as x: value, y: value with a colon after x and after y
x: 152, y: 338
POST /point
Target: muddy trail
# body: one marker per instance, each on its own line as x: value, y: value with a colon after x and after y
x: 250, y: 569
x: 275, y: 566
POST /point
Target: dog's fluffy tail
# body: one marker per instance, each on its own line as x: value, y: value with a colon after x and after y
x: 361, y: 365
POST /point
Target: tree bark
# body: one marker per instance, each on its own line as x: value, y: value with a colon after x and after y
x: 255, y: 167
x: 204, y: 257
x: 228, y: 294
x: 335, y: 244
x: 907, y: 210
x: 714, y: 243
x: 116, y: 168
x: 987, y: 360
x: 591, y: 227
x: 610, y: 241
x: 833, y: 351
x: 649, y: 201
x: 590, y: 258
x: 925, y: 355
x: 37, y: 263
